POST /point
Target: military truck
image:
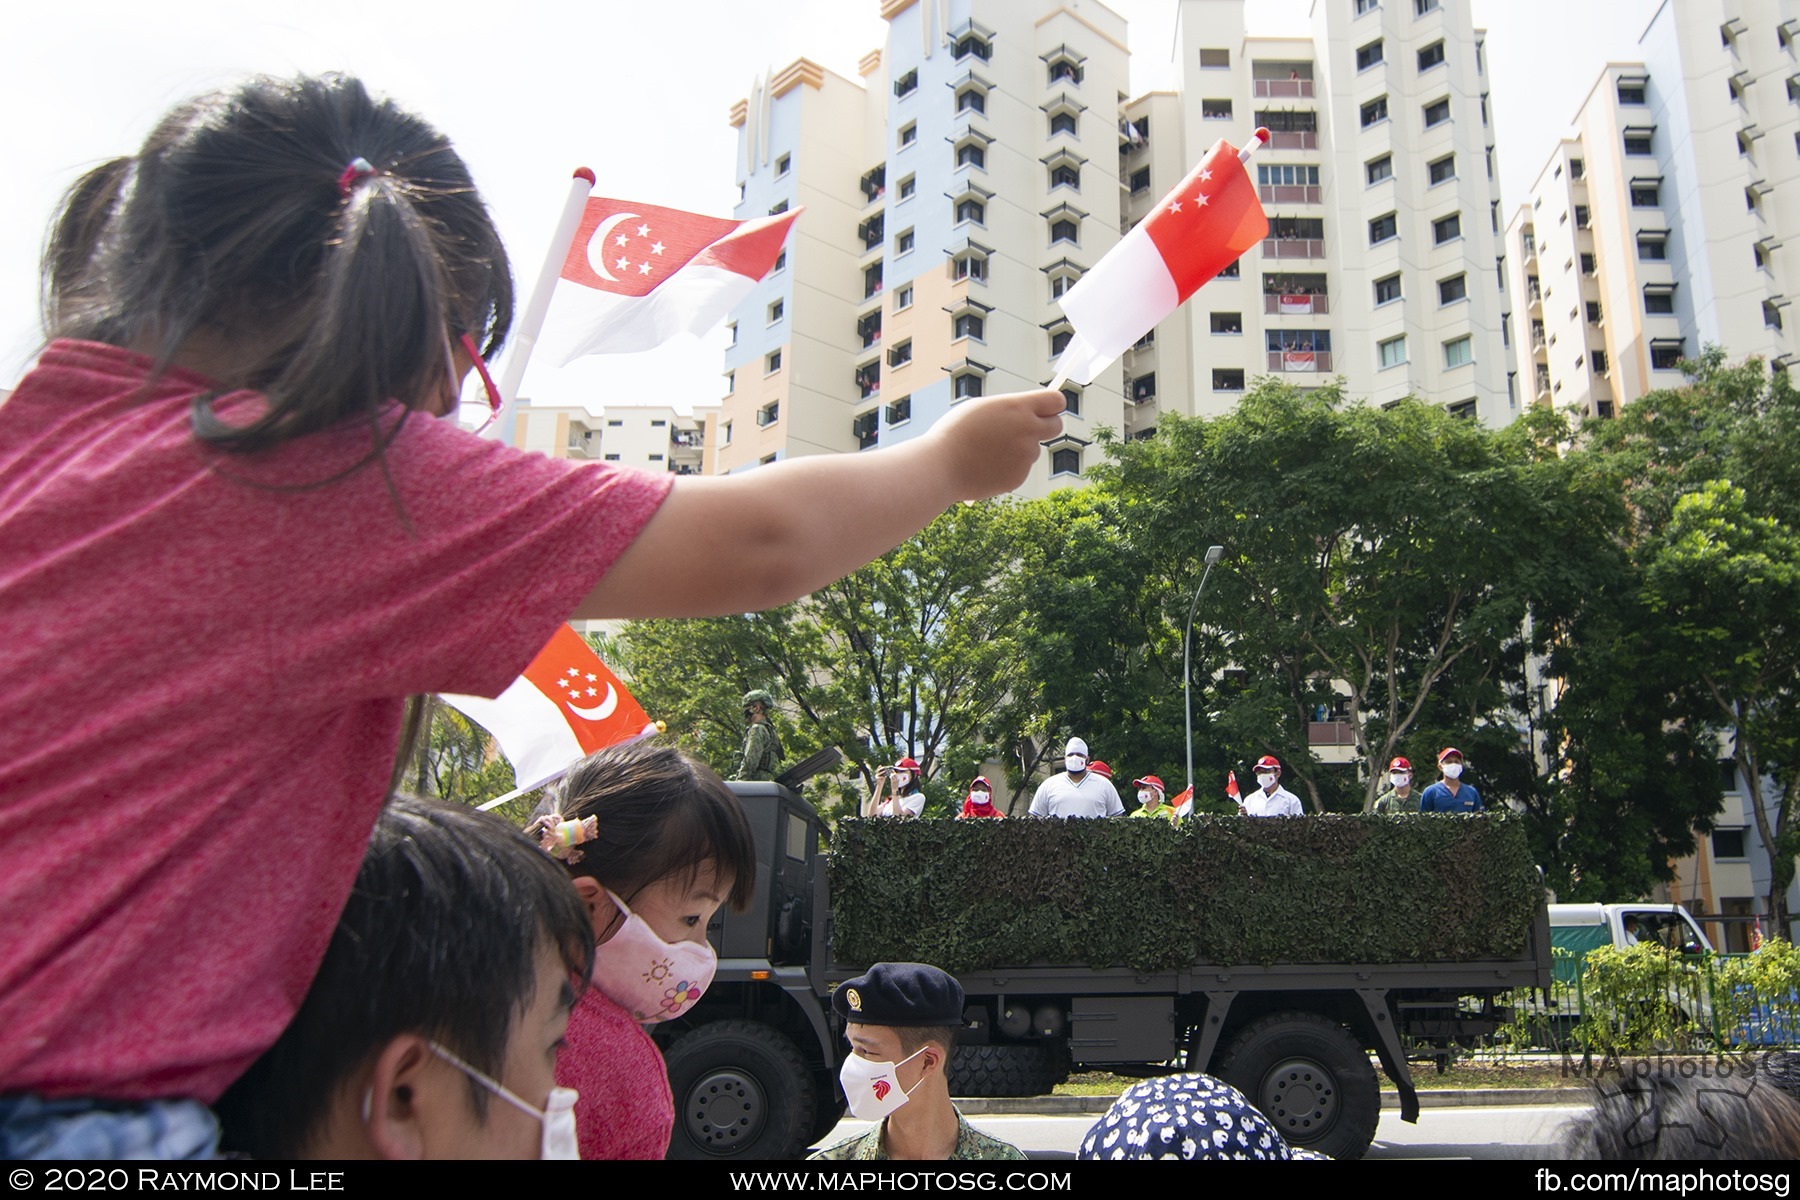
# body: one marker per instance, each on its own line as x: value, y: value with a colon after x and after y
x: 754, y: 1064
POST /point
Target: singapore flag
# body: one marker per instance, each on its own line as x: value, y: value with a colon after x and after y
x: 564, y: 707
x: 636, y: 275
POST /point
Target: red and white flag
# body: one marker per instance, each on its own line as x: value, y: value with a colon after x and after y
x: 564, y: 707
x: 636, y: 275
x: 1296, y: 305
x: 1231, y: 787
x: 1195, y: 232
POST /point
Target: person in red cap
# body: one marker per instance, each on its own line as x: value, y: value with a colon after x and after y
x: 980, y: 802
x: 1398, y: 797
x: 1450, y: 794
x: 898, y: 791
x: 1152, y: 801
x: 1270, y: 799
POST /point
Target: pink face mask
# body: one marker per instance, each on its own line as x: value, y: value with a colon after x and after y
x: 646, y: 976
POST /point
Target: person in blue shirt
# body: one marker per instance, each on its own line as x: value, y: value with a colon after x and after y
x: 1450, y: 794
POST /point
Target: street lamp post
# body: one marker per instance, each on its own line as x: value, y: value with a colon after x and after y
x: 1213, y: 554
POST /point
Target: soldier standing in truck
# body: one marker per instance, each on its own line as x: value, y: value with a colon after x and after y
x: 762, y: 749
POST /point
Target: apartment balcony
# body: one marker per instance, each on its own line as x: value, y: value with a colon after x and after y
x: 1330, y: 733
x: 1288, y: 193
x: 1299, y: 360
x: 1282, y: 89
x: 1294, y: 139
x: 1294, y: 248
x: 1296, y: 306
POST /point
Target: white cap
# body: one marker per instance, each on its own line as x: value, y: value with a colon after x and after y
x: 1075, y: 746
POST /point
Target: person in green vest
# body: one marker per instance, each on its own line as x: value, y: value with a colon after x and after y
x: 1152, y: 802
x: 762, y: 748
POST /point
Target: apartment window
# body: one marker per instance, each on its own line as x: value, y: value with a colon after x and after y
x: 769, y: 413
x: 1598, y: 358
x: 1140, y: 180
x: 775, y: 311
x: 1637, y: 141
x: 1065, y: 70
x: 1384, y: 227
x: 1458, y: 352
x: 900, y: 353
x: 1065, y: 175
x: 1442, y: 169
x: 1582, y: 219
x: 1588, y: 265
x: 772, y: 362
x: 1462, y: 410
x: 725, y: 434
x: 971, y: 154
x: 1437, y: 112
x: 1665, y: 354
x: 1215, y: 110
x: 1644, y: 195
x: 1446, y: 229
x: 971, y: 210
x: 1064, y: 122
x: 907, y: 187
x: 1577, y: 168
x: 969, y: 265
x: 1232, y: 271
x: 968, y: 325
x: 1387, y: 290
x: 1364, y: 7
x: 1061, y: 283
x: 1227, y: 379
x: 1431, y: 56
x: 1228, y: 322
x: 1631, y: 92
x: 903, y: 242
x: 1374, y: 112
x: 782, y: 164
x: 966, y: 387
x: 1593, y: 312
x: 1065, y: 230
x: 866, y: 429
x: 730, y: 382
x: 731, y: 329
x: 1392, y: 352
x: 900, y: 411
x: 1059, y: 340
x: 1071, y: 400
x: 871, y: 280
x: 780, y: 263
x: 907, y: 84
x: 1143, y: 388
x: 1065, y: 462
x: 973, y: 44
x: 780, y: 206
x: 616, y: 423
x: 610, y: 457
x: 909, y: 133
x: 1771, y: 315
x: 1369, y: 55
x: 903, y: 298
x: 971, y: 100
x: 1421, y: 7
x: 1455, y: 288
x: 1659, y: 301
x: 1378, y: 169
x: 1219, y: 60
x: 1729, y: 843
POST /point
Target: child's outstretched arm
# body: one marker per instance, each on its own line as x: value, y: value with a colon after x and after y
x: 741, y: 543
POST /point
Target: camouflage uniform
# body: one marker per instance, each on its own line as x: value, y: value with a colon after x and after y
x: 971, y: 1143
x: 762, y: 749
x: 1391, y: 804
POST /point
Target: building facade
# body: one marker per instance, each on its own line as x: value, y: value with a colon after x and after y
x: 648, y: 437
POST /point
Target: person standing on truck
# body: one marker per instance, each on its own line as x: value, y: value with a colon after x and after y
x: 1450, y: 794
x: 980, y: 802
x: 898, y: 792
x: 1077, y: 791
x: 1270, y: 799
x: 762, y: 748
x: 1399, y: 796
x: 901, y: 1020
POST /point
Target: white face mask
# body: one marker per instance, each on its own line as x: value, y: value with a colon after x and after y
x: 1452, y: 770
x: 1265, y: 780
x: 1400, y: 778
x: 557, y: 1116
x: 649, y: 978
x: 872, y: 1089
x: 902, y: 778
x: 979, y: 797
x: 1074, y: 764
x: 1146, y: 796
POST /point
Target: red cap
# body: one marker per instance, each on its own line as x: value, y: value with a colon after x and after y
x: 906, y: 764
x: 982, y: 780
x: 1399, y: 764
x: 1268, y: 760
x: 1152, y: 781
x: 1100, y: 768
x: 1447, y: 751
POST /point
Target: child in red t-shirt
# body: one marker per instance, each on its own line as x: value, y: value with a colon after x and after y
x: 232, y: 543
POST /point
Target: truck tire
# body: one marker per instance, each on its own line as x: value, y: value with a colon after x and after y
x: 1310, y: 1078
x: 1008, y: 1070
x: 741, y: 1091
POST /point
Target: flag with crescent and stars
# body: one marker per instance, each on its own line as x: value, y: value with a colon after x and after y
x: 637, y: 275
x: 1194, y: 232
x: 564, y: 707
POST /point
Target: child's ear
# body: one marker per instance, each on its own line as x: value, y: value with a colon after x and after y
x: 593, y: 895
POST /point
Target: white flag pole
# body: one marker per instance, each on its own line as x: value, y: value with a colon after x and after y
x: 531, y: 321
x: 546, y: 781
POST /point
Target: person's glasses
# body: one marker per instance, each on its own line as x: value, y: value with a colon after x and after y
x: 477, y: 412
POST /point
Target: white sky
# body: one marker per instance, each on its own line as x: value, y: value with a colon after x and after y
x: 640, y: 93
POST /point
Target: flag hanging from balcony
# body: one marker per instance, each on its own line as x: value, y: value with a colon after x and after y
x: 564, y: 707
x: 1193, y: 233
x: 636, y: 275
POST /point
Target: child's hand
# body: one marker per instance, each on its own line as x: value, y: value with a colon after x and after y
x: 988, y: 446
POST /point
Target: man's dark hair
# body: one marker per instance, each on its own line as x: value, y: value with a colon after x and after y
x: 1662, y: 1115
x: 912, y: 1037
x: 660, y: 814
x: 441, y: 938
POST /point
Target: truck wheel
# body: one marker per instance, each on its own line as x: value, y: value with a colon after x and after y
x: 1310, y: 1078
x: 1008, y: 1070
x: 741, y: 1091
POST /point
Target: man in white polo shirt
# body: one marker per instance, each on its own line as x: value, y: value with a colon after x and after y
x: 1270, y: 799
x: 1077, y: 792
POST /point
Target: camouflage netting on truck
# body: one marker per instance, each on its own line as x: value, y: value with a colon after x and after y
x: 972, y: 895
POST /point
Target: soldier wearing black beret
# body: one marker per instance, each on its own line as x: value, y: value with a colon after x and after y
x: 902, y: 1020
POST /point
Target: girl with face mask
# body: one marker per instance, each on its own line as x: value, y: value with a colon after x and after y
x: 980, y: 801
x: 656, y: 844
x: 899, y: 791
